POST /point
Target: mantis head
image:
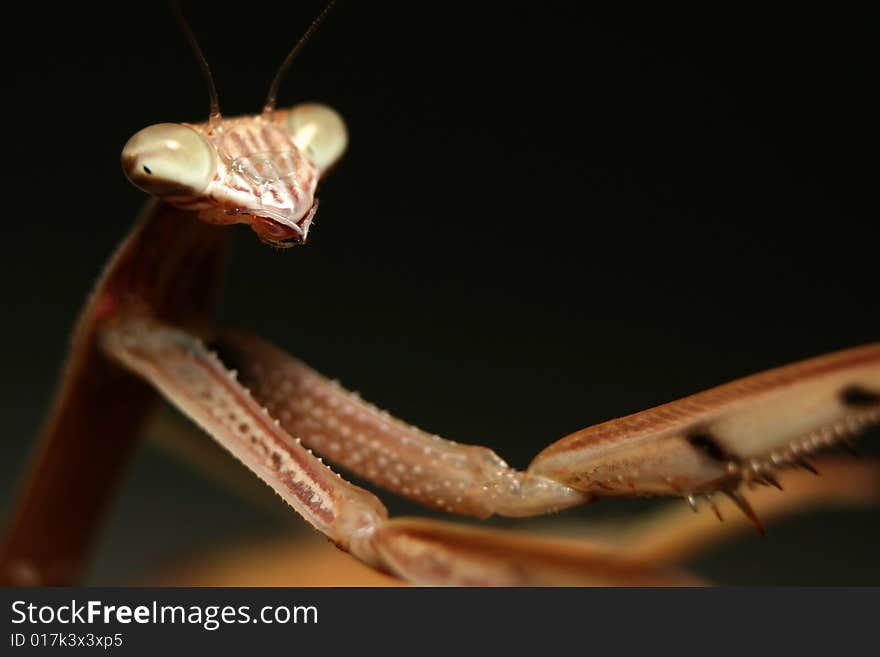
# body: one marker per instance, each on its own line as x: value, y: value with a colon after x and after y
x: 261, y: 170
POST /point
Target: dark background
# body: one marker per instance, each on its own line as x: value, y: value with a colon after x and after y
x: 548, y: 216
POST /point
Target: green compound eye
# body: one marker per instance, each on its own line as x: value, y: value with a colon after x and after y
x: 319, y: 132
x: 168, y: 159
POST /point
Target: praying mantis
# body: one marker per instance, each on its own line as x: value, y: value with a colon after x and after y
x: 536, y: 208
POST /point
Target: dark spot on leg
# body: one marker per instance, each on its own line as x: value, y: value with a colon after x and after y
x: 857, y: 396
x: 709, y: 445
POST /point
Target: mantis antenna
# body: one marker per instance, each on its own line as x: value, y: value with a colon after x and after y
x: 279, y: 76
x: 214, y: 116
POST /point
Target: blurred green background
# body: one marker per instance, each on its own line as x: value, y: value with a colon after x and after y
x: 548, y: 217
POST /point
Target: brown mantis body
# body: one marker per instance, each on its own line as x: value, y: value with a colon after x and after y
x: 708, y: 443
x: 154, y: 300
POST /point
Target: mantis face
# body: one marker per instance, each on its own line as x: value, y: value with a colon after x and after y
x: 260, y: 170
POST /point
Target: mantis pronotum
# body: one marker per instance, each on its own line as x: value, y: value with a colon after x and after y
x: 501, y: 449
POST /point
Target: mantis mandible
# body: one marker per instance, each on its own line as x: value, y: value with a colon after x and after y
x: 165, y: 298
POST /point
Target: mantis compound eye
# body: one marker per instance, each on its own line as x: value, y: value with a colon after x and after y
x: 168, y: 159
x: 319, y: 132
